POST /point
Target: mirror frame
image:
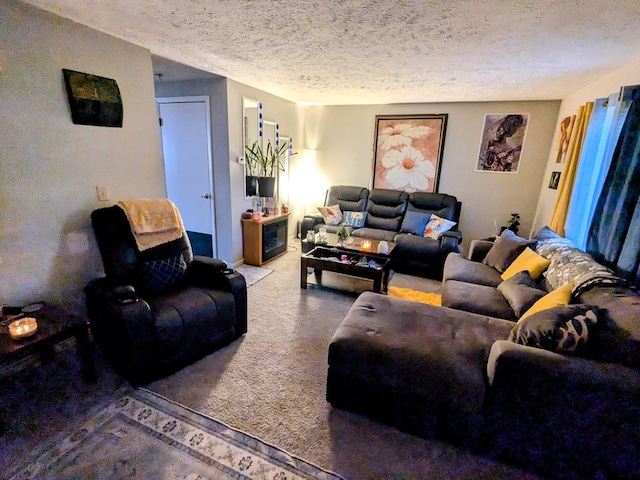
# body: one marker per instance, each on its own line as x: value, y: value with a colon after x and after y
x: 250, y: 104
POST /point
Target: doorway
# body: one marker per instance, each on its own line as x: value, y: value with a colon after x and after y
x: 186, y: 145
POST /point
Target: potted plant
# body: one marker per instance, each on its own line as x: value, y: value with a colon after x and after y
x: 252, y: 155
x: 342, y: 233
x: 514, y: 223
x: 265, y: 163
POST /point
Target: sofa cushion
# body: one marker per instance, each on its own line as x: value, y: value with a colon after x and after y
x: 528, y: 261
x: 437, y: 226
x: 386, y: 209
x: 331, y: 215
x: 414, y: 222
x: 560, y: 329
x: 354, y: 219
x: 521, y: 292
x: 457, y: 267
x: 617, y: 338
x: 558, y: 297
x: 480, y: 299
x: 374, y: 234
x: 506, y: 249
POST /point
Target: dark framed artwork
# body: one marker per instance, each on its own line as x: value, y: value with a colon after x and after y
x: 554, y: 180
x: 407, y: 151
x: 501, y: 142
x: 93, y: 100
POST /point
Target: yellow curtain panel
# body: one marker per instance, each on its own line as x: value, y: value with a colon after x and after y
x: 567, y: 179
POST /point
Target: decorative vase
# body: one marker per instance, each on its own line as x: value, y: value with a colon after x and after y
x: 251, y: 185
x: 266, y: 186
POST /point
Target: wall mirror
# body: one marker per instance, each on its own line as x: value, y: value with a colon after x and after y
x: 251, y: 130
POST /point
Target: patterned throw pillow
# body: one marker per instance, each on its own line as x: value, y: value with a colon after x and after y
x: 331, y: 215
x: 561, y: 329
x: 437, y: 226
x: 160, y: 275
x: 354, y: 219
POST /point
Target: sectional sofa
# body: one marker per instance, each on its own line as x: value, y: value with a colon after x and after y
x: 399, y: 217
x: 546, y: 380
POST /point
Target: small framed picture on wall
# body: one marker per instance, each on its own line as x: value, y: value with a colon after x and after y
x: 501, y: 142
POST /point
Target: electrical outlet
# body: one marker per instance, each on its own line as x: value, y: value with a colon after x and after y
x: 103, y: 193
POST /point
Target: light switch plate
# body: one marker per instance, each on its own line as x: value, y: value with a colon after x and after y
x: 103, y: 193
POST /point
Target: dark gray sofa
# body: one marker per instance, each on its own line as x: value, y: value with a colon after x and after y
x: 454, y: 374
x: 385, y: 215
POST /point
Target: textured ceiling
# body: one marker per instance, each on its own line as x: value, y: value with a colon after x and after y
x: 385, y: 51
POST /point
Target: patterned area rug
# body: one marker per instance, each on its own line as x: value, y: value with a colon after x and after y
x: 253, y: 274
x: 144, y: 435
x: 415, y: 295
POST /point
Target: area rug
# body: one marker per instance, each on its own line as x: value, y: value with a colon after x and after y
x: 253, y: 274
x: 415, y: 295
x: 144, y: 435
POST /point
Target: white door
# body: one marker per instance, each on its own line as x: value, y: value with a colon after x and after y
x: 186, y: 143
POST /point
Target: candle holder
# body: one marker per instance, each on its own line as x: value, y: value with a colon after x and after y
x: 366, y: 245
x: 25, y: 327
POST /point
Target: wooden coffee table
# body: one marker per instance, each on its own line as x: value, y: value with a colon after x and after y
x: 54, y: 326
x: 354, y: 243
x: 347, y: 262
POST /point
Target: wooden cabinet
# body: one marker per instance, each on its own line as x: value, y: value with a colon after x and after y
x: 264, y: 240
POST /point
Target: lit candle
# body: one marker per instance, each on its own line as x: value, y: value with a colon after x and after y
x: 366, y: 245
x: 23, y: 328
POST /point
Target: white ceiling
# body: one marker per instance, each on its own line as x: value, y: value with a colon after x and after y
x: 384, y: 51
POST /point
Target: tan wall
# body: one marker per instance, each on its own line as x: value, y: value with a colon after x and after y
x: 629, y: 74
x: 49, y: 167
x: 343, y: 138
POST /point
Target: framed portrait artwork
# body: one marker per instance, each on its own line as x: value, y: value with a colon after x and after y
x: 566, y: 127
x: 501, y: 142
x: 407, y: 151
x: 93, y: 100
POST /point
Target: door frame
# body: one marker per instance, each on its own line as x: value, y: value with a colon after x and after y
x: 212, y: 207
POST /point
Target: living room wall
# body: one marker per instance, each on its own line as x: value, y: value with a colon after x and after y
x: 628, y: 74
x: 49, y: 167
x: 343, y: 138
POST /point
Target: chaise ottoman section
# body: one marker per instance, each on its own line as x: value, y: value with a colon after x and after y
x: 416, y: 366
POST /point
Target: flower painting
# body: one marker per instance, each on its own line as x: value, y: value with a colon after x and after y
x: 408, y: 152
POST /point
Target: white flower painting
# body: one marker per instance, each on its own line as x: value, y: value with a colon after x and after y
x: 408, y: 152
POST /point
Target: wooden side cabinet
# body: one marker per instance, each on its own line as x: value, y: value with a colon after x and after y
x: 264, y: 240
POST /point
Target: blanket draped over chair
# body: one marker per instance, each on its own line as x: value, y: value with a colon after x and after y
x: 153, y: 221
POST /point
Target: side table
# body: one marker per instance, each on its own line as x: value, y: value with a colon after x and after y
x: 54, y: 326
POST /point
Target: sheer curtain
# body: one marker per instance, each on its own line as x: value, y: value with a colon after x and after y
x: 600, y: 141
x: 559, y: 215
x: 614, y: 235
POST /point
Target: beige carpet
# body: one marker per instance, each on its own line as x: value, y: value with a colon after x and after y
x: 271, y: 384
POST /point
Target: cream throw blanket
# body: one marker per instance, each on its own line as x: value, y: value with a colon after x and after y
x: 153, y: 221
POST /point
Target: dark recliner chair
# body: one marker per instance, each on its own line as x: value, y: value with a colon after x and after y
x: 349, y: 198
x: 149, y: 329
x: 422, y: 255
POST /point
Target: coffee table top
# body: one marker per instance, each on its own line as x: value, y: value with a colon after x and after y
x: 355, y: 243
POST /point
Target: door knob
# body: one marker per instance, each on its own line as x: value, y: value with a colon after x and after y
x: 206, y: 196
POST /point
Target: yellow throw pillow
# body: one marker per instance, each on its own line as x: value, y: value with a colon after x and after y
x: 559, y: 297
x: 528, y: 260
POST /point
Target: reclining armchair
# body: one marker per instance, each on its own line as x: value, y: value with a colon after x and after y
x: 160, y: 309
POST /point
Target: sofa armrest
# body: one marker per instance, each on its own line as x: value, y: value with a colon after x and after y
x: 479, y: 249
x: 309, y: 222
x: 216, y: 275
x: 450, y: 240
x: 123, y: 323
x: 526, y: 368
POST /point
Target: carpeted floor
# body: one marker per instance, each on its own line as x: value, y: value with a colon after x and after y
x: 270, y: 383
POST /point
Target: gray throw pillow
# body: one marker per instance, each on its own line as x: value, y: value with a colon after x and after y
x: 506, y: 249
x: 521, y: 292
x: 414, y: 222
x: 560, y: 329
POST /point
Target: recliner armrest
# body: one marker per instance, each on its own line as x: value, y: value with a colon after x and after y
x: 450, y: 240
x: 309, y: 222
x: 214, y: 274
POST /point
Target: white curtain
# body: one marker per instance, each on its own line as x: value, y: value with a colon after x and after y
x: 602, y: 135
